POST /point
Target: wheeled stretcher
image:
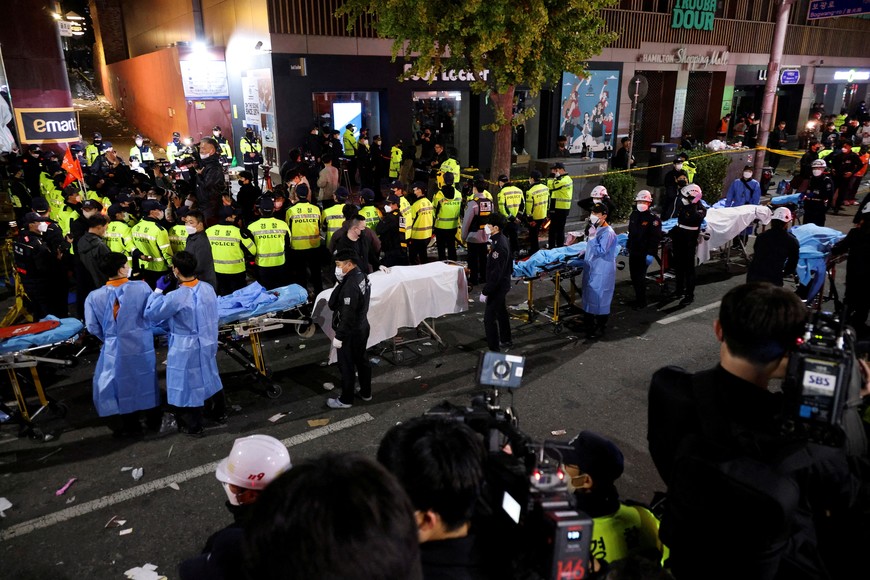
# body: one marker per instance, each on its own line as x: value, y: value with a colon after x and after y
x: 556, y: 265
x: 816, y: 265
x: 27, y: 351
x: 252, y: 311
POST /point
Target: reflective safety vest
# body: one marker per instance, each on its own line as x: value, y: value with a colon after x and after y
x: 537, y: 200
x: 372, y: 215
x: 172, y: 151
x: 54, y: 197
x: 104, y: 201
x: 91, y: 153
x: 332, y: 220
x: 447, y: 211
x: 152, y: 240
x: 226, y: 151
x: 404, y: 208
x: 304, y: 222
x: 119, y: 238
x: 421, y: 219
x: 248, y: 146
x: 65, y: 217
x: 510, y: 198
x: 348, y: 140
x: 691, y: 169
x: 561, y: 191
x: 395, y: 161
x: 270, y: 234
x: 226, y: 248
x: 450, y: 165
x: 177, y: 238
x: 46, y: 183
x: 472, y: 196
x: 143, y: 153
x: 631, y: 530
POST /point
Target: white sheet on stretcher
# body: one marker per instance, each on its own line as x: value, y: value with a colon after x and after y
x: 725, y: 224
x: 403, y: 298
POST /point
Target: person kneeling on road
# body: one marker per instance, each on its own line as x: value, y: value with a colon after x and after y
x: 499, y: 267
x: 253, y: 463
x: 349, y: 303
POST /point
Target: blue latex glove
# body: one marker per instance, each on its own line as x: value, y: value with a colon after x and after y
x: 163, y: 282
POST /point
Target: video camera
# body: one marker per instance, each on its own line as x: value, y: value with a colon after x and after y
x: 819, y: 379
x: 525, y: 492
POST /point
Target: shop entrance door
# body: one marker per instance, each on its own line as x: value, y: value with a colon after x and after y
x: 442, y: 112
x: 655, y: 112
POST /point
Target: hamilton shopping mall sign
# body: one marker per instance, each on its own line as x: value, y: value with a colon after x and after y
x: 693, y: 14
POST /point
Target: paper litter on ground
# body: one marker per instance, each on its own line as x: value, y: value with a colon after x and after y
x: 559, y: 432
x: 146, y: 572
x: 125, y: 532
x: 318, y: 422
x: 5, y: 504
x: 328, y: 386
x: 62, y: 490
x: 123, y: 469
x: 277, y: 417
x: 174, y: 486
x: 138, y: 473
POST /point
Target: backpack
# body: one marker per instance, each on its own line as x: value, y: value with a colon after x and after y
x: 733, y: 507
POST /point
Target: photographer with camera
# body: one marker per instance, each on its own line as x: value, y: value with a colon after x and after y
x: 439, y: 462
x: 747, y: 496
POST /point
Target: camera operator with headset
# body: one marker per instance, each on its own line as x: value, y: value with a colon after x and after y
x: 748, y: 495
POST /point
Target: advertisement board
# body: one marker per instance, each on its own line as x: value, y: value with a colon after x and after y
x: 47, y: 125
x: 588, y: 111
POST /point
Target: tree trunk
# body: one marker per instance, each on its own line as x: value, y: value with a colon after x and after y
x: 501, y: 149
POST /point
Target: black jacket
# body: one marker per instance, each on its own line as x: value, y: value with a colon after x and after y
x: 389, y: 232
x: 90, y: 249
x: 644, y: 233
x: 223, y: 556
x: 691, y: 215
x: 247, y: 199
x: 210, y: 184
x: 454, y: 559
x: 499, y: 265
x: 349, y: 303
x: 33, y: 258
x: 198, y: 245
x: 857, y: 243
x: 776, y: 256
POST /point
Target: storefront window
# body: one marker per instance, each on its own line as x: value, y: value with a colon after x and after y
x: 442, y: 113
x: 336, y: 110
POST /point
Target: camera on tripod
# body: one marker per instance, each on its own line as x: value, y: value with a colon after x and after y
x: 818, y: 380
x: 525, y: 494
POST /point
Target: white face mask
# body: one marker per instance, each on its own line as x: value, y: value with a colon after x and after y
x: 89, y: 213
x: 127, y: 272
x: 339, y: 273
x: 817, y: 172
x: 139, y: 142
x: 42, y: 227
x: 642, y: 207
x: 204, y: 155
x: 230, y: 495
x: 188, y: 203
x: 190, y: 229
x: 160, y: 215
x: 388, y: 208
x: 678, y: 166
x: 685, y: 201
x: 487, y: 229
x: 747, y: 175
x: 124, y: 217
x: 216, y: 133
x: 594, y: 219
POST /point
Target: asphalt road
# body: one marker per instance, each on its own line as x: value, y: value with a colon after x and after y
x: 569, y: 385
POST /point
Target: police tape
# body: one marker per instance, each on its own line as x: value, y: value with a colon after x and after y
x: 782, y: 152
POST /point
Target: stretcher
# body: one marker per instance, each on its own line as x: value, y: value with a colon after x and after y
x: 404, y: 297
x: 27, y: 351
x: 816, y: 265
x: 555, y: 265
x: 723, y: 228
x: 247, y: 313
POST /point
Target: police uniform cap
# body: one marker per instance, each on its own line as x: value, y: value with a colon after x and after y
x: 419, y: 185
x: 397, y: 185
x: 114, y: 210
x: 302, y: 191
x: 350, y: 126
x: 138, y: 136
x: 535, y: 174
x: 216, y: 128
x: 33, y: 147
x: 181, y: 212
x: 394, y: 199
x: 32, y: 217
x: 98, y: 136
x: 226, y: 211
x: 596, y: 456
x: 367, y: 194
x: 105, y: 146
x: 267, y: 203
x: 176, y: 135
x: 558, y: 165
x: 345, y: 255
x: 39, y: 204
x: 124, y: 197
x: 70, y: 190
x: 92, y: 204
x: 150, y: 205
x: 341, y: 193
x: 503, y: 178
x: 448, y: 178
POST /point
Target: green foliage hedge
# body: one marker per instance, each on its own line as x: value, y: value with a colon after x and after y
x: 621, y: 188
x: 710, y: 173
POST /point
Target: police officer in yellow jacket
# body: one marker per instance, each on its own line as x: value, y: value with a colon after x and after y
x: 252, y: 153
x: 152, y: 243
x: 140, y: 150
x: 173, y: 149
x: 224, y: 148
x: 448, y: 205
x: 419, y: 224
x: 178, y: 231
x: 510, y: 204
x: 368, y: 210
x: 450, y: 165
x: 119, y: 235
x: 272, y: 238
x: 395, y: 160
x: 349, y: 143
x: 537, y: 205
x: 230, y: 248
x: 332, y: 217
x: 593, y: 465
x: 561, y: 188
x: 398, y: 189
x: 92, y: 151
x: 303, y: 219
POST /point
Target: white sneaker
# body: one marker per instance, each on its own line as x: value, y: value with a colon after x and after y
x: 337, y: 404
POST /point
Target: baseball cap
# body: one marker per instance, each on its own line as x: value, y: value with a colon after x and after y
x: 32, y: 217
x: 39, y: 204
x: 71, y: 189
x: 350, y: 126
x: 397, y: 185
x: 92, y: 204
x: 558, y: 165
x: 595, y: 455
x: 341, y: 193
x: 124, y: 197
x: 267, y: 203
x: 150, y: 205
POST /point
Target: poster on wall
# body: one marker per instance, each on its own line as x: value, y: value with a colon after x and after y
x: 259, y: 105
x: 588, y: 112
x: 204, y: 79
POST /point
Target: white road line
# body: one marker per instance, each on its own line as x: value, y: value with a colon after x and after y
x: 689, y: 313
x: 146, y: 488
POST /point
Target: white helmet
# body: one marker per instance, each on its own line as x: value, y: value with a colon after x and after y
x: 254, y: 462
x: 599, y: 191
x: 819, y: 163
x: 692, y: 192
x: 643, y: 195
x: 782, y: 214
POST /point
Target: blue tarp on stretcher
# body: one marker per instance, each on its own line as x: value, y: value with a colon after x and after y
x: 545, y: 258
x: 794, y: 198
x: 254, y: 300
x: 668, y: 225
x: 815, y: 247
x: 68, y: 329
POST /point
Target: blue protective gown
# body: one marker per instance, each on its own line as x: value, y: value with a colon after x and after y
x: 599, y: 271
x: 125, y: 379
x: 191, y: 365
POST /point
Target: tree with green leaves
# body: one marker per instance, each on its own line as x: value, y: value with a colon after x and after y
x: 526, y: 43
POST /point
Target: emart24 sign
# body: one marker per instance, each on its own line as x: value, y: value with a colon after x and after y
x: 47, y: 125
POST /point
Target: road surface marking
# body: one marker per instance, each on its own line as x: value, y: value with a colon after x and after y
x: 689, y: 313
x: 146, y: 488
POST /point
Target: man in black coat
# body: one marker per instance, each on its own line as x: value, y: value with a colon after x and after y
x: 197, y: 244
x: 857, y: 243
x: 776, y: 251
x: 391, y: 232
x: 499, y: 267
x: 644, y: 236
x: 210, y: 184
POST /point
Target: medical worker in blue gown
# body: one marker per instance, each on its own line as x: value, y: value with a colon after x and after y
x: 192, y: 380
x: 599, y: 272
x: 125, y: 380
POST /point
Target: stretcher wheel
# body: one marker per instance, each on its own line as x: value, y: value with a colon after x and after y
x: 558, y: 328
x: 306, y: 330
x: 274, y: 390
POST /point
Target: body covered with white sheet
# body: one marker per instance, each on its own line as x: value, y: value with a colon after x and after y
x: 599, y: 271
x: 125, y: 378
x: 191, y: 365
